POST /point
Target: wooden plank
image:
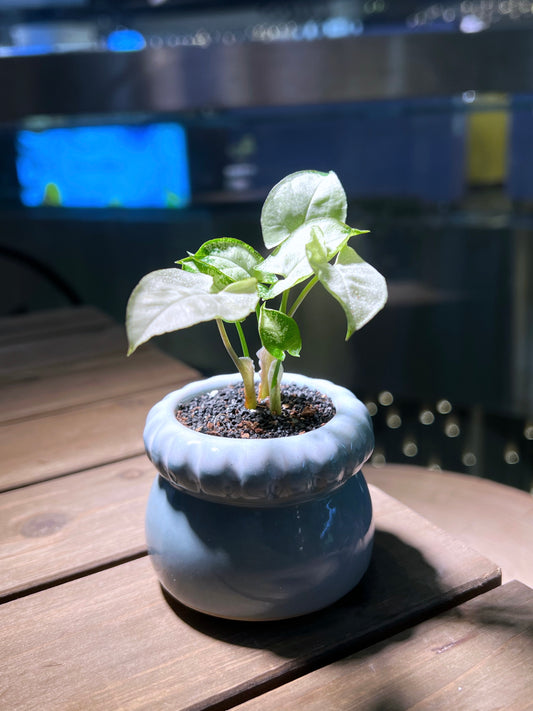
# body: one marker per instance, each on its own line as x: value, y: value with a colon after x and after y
x: 478, y: 656
x: 48, y: 356
x: 59, y: 528
x: 77, y: 438
x: 113, y: 640
x: 494, y: 519
x: 98, y: 380
x: 49, y: 323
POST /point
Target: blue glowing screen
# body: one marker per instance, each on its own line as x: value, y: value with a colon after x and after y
x: 104, y: 166
x: 125, y: 41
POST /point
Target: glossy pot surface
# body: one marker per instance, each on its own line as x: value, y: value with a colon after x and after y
x: 259, y: 529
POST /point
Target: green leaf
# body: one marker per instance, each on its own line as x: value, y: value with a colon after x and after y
x: 191, y: 264
x: 171, y: 299
x: 264, y: 290
x: 228, y: 258
x: 243, y: 286
x: 290, y: 258
x: 359, y: 288
x: 298, y: 198
x: 279, y: 333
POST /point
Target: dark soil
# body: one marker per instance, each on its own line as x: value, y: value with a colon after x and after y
x: 222, y: 413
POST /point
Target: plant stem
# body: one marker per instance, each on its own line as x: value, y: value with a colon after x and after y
x: 301, y: 296
x: 265, y: 361
x: 244, y: 366
x: 244, y: 345
x: 275, y: 391
x: 248, y: 378
x: 227, y: 344
x: 246, y: 371
x: 284, y: 300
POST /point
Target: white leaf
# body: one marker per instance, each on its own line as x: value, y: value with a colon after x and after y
x: 298, y: 198
x: 290, y: 259
x: 359, y: 288
x: 171, y: 299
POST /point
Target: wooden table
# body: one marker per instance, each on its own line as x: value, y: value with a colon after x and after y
x: 85, y: 625
x: 494, y: 519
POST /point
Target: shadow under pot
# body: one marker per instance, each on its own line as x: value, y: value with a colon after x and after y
x: 259, y: 529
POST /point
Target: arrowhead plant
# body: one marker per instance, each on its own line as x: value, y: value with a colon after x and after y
x: 226, y: 280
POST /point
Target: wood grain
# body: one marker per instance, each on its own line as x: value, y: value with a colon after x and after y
x: 49, y: 323
x: 34, y: 347
x: 494, y: 519
x: 478, y: 656
x: 68, y: 441
x: 57, y: 529
x: 111, y: 640
x: 93, y: 380
x: 51, y: 356
x: 72, y: 399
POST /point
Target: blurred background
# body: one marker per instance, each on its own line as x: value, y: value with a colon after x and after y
x: 132, y: 131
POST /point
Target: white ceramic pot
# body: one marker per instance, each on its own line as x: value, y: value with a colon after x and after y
x: 259, y: 529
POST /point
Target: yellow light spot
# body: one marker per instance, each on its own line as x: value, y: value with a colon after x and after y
x: 410, y: 448
x: 469, y: 459
x: 426, y: 417
x: 385, y: 398
x: 451, y: 428
x: 511, y: 456
x: 378, y: 459
x: 394, y: 421
x: 371, y: 407
x: 444, y: 407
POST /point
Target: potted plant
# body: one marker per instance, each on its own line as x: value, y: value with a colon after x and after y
x: 260, y: 510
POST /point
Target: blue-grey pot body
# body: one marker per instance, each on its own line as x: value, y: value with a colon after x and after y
x: 259, y: 529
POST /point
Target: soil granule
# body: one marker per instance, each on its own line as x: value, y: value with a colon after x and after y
x: 222, y: 413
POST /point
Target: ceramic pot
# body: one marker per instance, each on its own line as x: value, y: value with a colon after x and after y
x: 259, y: 529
